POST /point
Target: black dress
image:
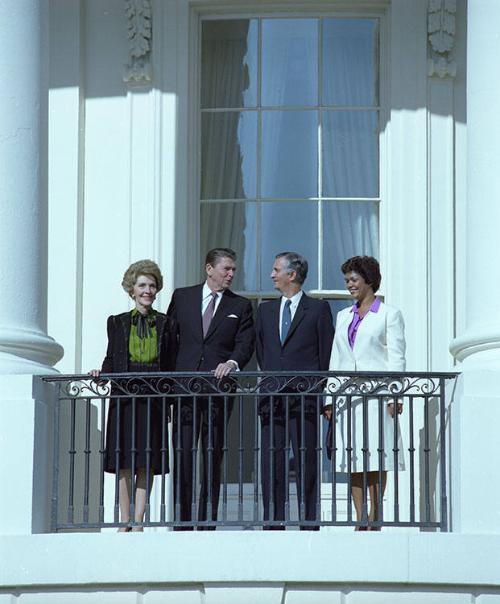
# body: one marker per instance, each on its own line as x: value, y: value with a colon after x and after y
x: 127, y: 424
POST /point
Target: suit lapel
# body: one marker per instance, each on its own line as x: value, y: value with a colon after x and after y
x: 274, y: 307
x: 343, y: 332
x: 299, y: 315
x: 344, y: 319
x: 195, y: 311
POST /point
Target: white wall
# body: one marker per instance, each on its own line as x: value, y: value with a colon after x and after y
x: 111, y: 198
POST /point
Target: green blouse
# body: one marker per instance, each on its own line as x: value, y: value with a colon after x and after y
x: 143, y: 349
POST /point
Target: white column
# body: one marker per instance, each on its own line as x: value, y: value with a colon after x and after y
x: 479, y: 345
x: 476, y: 406
x: 24, y: 344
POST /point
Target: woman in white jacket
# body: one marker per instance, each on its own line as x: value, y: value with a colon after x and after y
x: 369, y: 336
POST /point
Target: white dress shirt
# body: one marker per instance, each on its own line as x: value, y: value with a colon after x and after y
x: 206, y: 296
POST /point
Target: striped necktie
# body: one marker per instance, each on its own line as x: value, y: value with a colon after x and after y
x: 209, y: 313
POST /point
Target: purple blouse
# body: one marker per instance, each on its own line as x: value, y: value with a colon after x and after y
x: 352, y: 330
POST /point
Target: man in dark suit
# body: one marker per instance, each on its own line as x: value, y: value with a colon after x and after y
x: 294, y: 333
x: 214, y: 333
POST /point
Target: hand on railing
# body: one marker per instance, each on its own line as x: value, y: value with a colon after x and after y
x: 95, y: 373
x: 224, y: 369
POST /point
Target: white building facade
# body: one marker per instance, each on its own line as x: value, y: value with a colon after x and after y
x: 127, y: 166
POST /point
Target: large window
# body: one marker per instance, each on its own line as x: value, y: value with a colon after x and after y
x: 290, y: 144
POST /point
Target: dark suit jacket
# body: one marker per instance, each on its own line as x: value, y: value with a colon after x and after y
x: 117, y: 356
x: 308, y: 343
x: 230, y: 336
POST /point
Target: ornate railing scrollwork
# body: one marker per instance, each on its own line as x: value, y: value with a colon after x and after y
x: 98, y: 422
x: 259, y: 383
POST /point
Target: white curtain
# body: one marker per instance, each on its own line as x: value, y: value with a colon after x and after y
x: 289, y: 79
x: 350, y: 143
x: 349, y: 229
x: 228, y: 141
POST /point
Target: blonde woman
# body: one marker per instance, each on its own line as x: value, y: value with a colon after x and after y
x: 138, y: 341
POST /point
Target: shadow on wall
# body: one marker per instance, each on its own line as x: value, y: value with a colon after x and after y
x: 79, y: 462
x: 430, y: 464
x: 98, y: 31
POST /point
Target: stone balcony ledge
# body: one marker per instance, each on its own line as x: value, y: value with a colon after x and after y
x: 255, y: 558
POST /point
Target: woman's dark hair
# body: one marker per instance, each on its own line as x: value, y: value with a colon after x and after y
x: 366, y: 266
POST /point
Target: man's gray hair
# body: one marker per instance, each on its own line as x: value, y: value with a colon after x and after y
x: 295, y: 262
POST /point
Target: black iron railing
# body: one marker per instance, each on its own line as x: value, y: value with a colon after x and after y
x: 232, y: 456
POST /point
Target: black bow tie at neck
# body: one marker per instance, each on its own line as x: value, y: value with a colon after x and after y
x: 143, y: 324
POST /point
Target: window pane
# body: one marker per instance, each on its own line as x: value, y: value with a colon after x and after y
x: 289, y: 227
x: 336, y: 306
x: 350, y: 61
x: 350, y: 154
x: 229, y: 63
x: 228, y: 155
x: 232, y: 225
x: 349, y: 229
x: 269, y: 149
x: 289, y: 154
x: 289, y: 62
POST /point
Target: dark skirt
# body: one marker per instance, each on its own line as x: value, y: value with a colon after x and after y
x: 127, y: 428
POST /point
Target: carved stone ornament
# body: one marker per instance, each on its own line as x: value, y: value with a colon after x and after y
x: 140, y: 32
x: 441, y: 31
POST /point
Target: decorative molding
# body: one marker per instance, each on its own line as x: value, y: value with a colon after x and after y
x: 441, y: 32
x: 140, y: 34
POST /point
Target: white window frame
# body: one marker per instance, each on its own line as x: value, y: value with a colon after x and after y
x: 303, y: 10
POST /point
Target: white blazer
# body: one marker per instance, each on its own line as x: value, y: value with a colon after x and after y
x: 379, y: 345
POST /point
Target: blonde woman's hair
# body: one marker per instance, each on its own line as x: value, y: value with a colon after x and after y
x: 148, y: 268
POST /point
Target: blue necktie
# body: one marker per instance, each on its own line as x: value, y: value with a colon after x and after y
x: 286, y: 320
